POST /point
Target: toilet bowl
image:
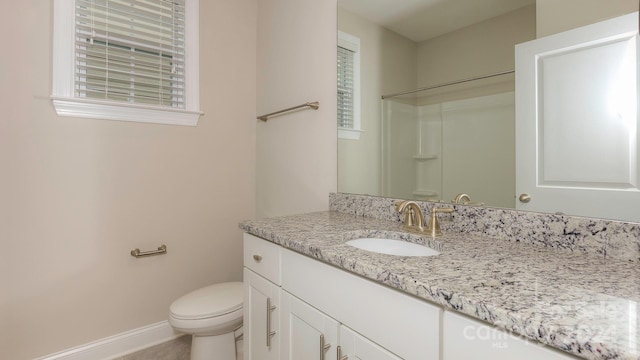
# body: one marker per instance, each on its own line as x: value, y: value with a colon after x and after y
x: 211, y: 315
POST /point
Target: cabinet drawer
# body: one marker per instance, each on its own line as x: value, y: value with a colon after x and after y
x: 263, y: 257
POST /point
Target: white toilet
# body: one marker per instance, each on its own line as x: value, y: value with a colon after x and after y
x: 211, y: 314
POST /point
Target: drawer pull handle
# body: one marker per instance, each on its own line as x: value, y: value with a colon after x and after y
x: 257, y: 258
x: 323, y: 347
x: 340, y: 356
x: 270, y: 333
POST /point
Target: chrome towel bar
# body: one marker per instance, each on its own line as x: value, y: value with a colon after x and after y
x: 313, y: 105
x: 138, y: 254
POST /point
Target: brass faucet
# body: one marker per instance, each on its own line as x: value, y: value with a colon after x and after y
x: 462, y: 198
x: 414, y: 220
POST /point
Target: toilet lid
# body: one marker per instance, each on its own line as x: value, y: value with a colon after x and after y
x: 209, y: 301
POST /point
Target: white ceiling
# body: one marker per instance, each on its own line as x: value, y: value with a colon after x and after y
x: 421, y: 20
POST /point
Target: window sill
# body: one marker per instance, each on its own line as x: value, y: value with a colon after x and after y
x: 96, y: 109
x: 349, y: 134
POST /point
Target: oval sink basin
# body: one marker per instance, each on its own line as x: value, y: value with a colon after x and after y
x: 392, y: 247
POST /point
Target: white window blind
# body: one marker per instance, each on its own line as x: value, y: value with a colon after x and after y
x: 131, y: 51
x: 345, y: 88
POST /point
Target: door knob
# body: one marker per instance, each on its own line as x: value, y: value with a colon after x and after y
x: 524, y: 198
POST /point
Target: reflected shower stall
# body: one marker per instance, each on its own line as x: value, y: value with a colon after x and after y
x: 437, y: 145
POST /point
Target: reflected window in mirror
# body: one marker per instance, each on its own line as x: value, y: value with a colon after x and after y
x: 348, y: 86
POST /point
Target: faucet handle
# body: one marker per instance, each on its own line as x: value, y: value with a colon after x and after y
x: 434, y: 224
x: 410, y: 219
x: 442, y: 210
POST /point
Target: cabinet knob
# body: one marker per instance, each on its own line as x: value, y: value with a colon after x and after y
x: 257, y: 258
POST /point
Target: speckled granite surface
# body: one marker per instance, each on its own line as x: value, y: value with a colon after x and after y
x: 573, y: 296
x: 606, y: 238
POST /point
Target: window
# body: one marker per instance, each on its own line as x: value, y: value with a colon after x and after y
x: 132, y: 60
x: 345, y: 88
x: 348, y: 86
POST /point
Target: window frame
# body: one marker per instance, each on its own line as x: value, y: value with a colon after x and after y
x: 66, y: 103
x: 352, y: 43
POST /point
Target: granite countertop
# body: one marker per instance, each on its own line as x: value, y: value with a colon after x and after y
x: 578, y: 303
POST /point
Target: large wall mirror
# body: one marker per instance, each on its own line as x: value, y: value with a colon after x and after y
x: 436, y: 98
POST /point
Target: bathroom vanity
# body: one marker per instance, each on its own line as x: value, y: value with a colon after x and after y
x: 481, y: 297
x: 316, y: 311
x: 319, y: 304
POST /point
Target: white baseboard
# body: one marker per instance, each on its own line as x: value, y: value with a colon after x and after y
x: 120, y: 344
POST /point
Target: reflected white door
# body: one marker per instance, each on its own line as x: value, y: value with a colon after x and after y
x: 577, y: 121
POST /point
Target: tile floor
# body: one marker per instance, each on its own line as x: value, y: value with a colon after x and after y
x: 177, y: 349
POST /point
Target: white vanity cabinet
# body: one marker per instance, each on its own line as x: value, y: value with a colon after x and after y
x: 298, y: 308
x: 261, y: 299
x: 293, y: 300
x: 403, y: 325
x: 310, y: 334
x: 465, y: 338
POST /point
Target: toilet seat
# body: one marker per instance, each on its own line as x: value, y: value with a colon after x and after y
x: 212, y: 310
x: 207, y: 302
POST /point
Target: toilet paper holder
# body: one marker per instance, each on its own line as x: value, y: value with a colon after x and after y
x: 162, y: 249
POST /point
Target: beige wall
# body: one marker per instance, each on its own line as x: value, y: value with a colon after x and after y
x: 296, y: 63
x: 388, y: 64
x: 556, y: 16
x: 480, y: 49
x: 77, y: 195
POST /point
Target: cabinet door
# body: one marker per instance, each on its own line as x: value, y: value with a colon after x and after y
x: 306, y: 332
x: 464, y: 339
x: 403, y: 324
x: 356, y: 347
x: 261, y: 318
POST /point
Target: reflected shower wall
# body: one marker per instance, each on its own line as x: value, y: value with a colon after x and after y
x: 434, y: 151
